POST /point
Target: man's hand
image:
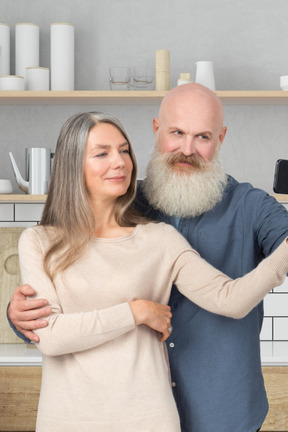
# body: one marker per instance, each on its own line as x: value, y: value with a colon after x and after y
x: 24, y: 314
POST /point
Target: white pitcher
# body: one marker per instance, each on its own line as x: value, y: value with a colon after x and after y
x: 38, y: 170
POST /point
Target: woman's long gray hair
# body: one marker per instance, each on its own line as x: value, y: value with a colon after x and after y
x: 67, y: 207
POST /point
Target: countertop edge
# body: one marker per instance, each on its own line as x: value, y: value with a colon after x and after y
x: 273, y: 353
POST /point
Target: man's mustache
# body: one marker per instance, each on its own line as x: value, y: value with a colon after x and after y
x: 195, y: 161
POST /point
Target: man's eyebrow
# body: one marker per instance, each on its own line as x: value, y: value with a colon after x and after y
x: 171, y: 128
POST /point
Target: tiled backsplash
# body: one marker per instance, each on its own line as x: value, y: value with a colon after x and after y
x: 275, y: 326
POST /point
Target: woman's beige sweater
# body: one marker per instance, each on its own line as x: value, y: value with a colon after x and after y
x: 101, y: 372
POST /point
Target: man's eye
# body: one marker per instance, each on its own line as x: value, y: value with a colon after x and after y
x: 204, y: 137
x: 178, y: 132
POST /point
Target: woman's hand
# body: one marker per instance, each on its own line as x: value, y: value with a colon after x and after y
x: 154, y: 315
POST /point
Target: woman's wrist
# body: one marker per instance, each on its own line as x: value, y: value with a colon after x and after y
x: 138, y: 311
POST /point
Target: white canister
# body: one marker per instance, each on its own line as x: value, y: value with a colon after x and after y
x: 26, y: 47
x: 205, y: 74
x: 12, y: 82
x: 37, y: 78
x: 4, y: 49
x: 62, y: 56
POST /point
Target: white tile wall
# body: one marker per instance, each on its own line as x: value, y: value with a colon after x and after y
x: 280, y: 329
x: 276, y: 304
x: 275, y: 325
x: 267, y: 329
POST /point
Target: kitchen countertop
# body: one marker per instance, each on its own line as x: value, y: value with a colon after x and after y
x: 20, y: 354
x: 272, y: 354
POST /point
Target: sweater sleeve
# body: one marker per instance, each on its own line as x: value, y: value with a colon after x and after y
x: 68, y: 332
x: 214, y: 291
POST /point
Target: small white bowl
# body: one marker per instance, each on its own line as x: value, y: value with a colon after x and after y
x: 5, y: 186
x: 12, y: 82
x: 284, y: 82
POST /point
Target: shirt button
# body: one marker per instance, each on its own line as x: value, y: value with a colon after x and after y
x: 173, y: 384
x: 171, y: 345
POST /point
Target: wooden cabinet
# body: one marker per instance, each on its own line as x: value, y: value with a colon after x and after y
x: 20, y: 388
x: 276, y: 383
x: 19, y: 394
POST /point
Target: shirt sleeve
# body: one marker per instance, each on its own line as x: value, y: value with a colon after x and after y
x: 214, y: 291
x: 68, y: 332
x: 20, y: 335
x: 270, y: 219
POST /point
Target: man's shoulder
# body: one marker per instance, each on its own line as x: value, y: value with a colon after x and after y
x: 250, y: 202
x: 243, y: 190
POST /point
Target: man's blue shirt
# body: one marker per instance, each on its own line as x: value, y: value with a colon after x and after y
x: 215, y: 361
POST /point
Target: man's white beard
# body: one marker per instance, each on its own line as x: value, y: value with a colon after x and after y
x: 185, y: 193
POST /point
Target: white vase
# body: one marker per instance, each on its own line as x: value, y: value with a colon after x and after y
x: 26, y: 47
x: 205, y: 74
x: 62, y: 56
x: 4, y: 49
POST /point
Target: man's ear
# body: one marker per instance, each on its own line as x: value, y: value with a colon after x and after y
x: 222, y: 134
x: 155, y: 125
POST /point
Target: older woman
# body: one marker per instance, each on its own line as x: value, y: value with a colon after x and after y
x: 107, y: 273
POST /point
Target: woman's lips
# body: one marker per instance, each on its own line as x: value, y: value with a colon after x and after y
x: 117, y: 179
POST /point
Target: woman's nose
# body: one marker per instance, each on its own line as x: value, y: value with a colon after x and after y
x: 117, y: 160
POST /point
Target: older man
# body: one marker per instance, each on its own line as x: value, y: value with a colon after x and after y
x: 215, y: 361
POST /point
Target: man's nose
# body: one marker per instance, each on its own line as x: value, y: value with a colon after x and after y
x: 188, y: 146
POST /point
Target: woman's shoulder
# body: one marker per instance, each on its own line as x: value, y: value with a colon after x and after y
x: 164, y: 231
x: 158, y: 227
x: 165, y: 237
x: 39, y: 234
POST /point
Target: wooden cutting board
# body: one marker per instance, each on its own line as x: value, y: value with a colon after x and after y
x: 9, y: 278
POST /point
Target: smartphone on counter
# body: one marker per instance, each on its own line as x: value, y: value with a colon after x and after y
x: 281, y: 177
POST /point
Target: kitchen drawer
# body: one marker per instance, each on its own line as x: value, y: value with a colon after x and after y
x: 28, y: 212
x: 276, y: 384
x: 6, y: 212
x: 19, y: 394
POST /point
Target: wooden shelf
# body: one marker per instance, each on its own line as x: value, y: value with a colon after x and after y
x: 281, y: 198
x: 132, y: 97
x: 80, y: 97
x: 15, y: 198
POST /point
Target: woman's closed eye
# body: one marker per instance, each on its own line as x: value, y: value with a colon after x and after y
x: 100, y: 155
